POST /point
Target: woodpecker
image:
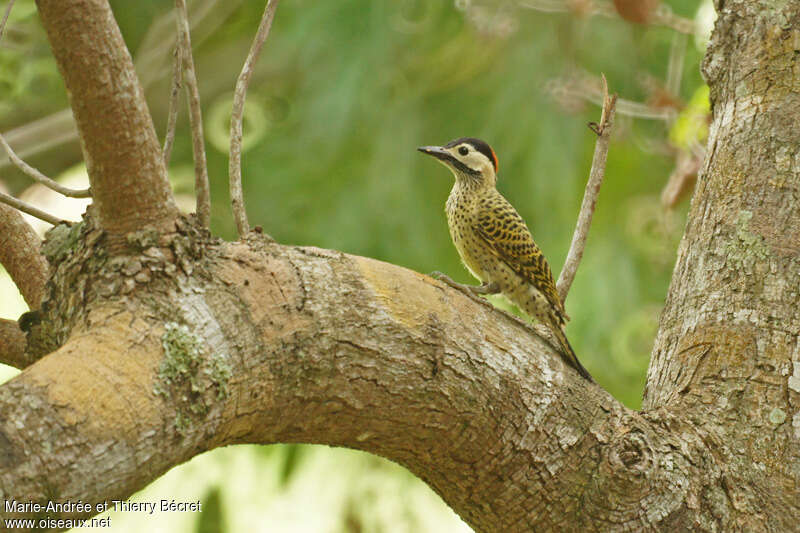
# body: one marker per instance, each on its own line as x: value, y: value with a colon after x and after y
x: 494, y: 242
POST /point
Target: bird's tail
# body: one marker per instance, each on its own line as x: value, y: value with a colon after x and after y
x: 568, y: 353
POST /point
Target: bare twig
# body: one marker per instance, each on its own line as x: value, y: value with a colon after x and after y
x: 603, y: 130
x: 41, y: 135
x: 573, y: 88
x: 206, y: 16
x: 22, y: 165
x: 12, y: 344
x: 195, y: 116
x: 41, y: 178
x: 21, y: 257
x: 677, y: 53
x: 161, y: 37
x: 235, y: 160
x: 174, y: 95
x: 664, y: 16
x: 5, y: 17
x: 28, y: 208
x: 12, y: 221
x: 683, y: 177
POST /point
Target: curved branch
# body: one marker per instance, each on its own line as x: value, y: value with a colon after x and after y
x: 12, y: 344
x: 123, y: 158
x: 39, y: 177
x: 466, y: 398
x: 21, y: 257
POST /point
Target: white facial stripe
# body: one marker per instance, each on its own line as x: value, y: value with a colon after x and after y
x: 474, y: 159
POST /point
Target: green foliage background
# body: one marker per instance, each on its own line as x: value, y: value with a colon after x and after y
x: 343, y: 93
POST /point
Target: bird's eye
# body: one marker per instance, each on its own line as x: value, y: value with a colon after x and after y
x: 463, y: 150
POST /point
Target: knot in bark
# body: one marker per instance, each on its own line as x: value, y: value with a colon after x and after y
x: 631, y: 452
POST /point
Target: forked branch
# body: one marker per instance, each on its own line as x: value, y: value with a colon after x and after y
x: 239, y: 96
x: 596, y: 175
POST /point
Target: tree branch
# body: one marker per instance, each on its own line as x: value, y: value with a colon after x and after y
x: 289, y: 344
x: 201, y: 186
x: 12, y: 345
x: 596, y: 175
x: 490, y: 415
x: 20, y: 256
x: 127, y: 173
x: 239, y: 96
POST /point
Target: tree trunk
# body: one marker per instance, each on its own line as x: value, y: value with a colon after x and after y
x: 176, y: 343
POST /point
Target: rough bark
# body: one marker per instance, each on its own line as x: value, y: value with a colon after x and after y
x: 727, y: 354
x: 188, y: 343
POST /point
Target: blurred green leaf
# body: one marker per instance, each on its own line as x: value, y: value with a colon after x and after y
x: 212, y: 517
x: 691, y: 126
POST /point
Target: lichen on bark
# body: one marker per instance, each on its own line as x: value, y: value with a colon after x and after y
x: 188, y: 378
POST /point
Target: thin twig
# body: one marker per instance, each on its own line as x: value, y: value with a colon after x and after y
x: 575, y: 88
x: 677, y: 53
x: 603, y: 130
x: 195, y: 117
x: 41, y: 135
x: 10, y: 200
x: 174, y: 95
x: 18, y: 162
x: 683, y: 177
x: 28, y: 208
x: 664, y: 16
x: 205, y: 16
x: 41, y: 178
x: 239, y: 96
x: 5, y: 17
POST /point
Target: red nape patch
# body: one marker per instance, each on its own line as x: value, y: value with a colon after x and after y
x: 494, y: 160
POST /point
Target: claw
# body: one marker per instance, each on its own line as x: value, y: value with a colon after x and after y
x: 486, y: 288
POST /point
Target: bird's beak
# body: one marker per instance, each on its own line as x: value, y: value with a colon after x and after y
x: 436, y: 151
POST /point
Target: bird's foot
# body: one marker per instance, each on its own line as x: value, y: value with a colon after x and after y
x: 470, y: 290
x: 485, y: 288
